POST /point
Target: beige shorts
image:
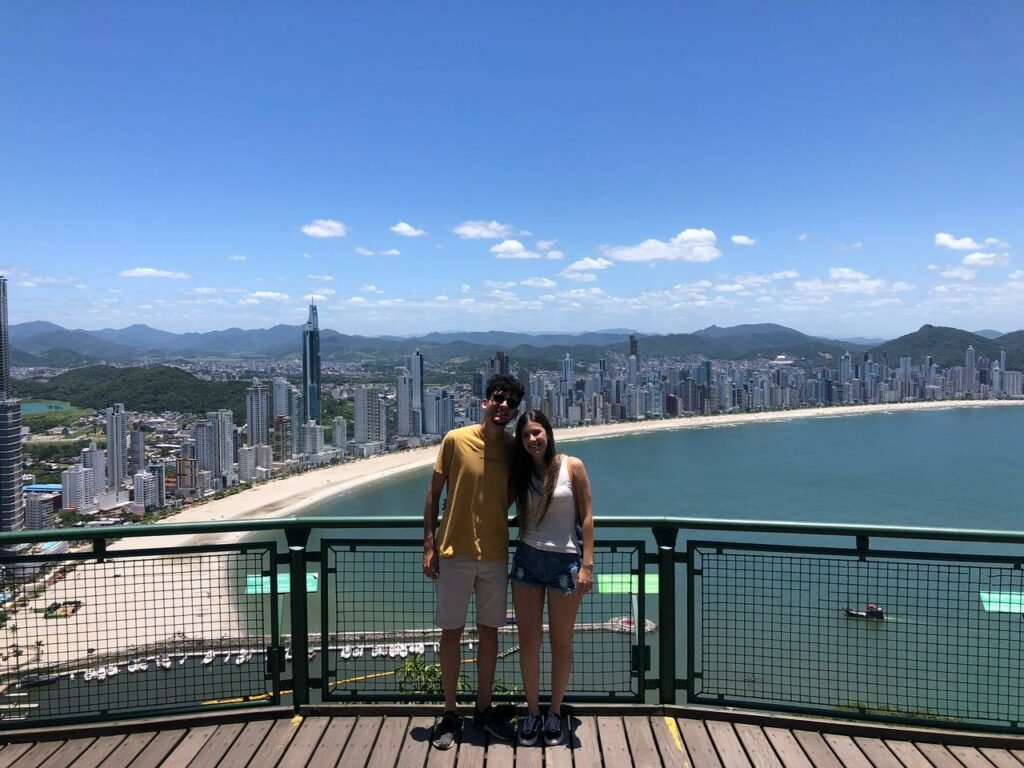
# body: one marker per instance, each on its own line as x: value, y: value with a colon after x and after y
x: 458, y: 578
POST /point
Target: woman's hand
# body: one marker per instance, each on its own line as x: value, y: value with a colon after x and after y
x: 585, y: 579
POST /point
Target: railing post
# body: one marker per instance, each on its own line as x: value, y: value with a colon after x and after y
x: 665, y: 537
x: 297, y: 539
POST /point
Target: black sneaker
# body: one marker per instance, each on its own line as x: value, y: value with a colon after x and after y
x: 529, y: 730
x: 496, y: 725
x: 552, y: 729
x: 446, y: 731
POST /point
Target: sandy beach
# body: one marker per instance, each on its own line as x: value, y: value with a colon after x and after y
x: 291, y: 495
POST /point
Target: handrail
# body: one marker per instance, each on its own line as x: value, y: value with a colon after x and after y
x: 679, y: 523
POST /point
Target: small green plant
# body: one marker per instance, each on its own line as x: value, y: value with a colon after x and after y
x: 416, y: 676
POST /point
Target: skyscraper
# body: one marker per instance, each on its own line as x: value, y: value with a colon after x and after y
x: 371, y: 415
x: 311, y: 366
x: 414, y: 363
x: 12, y: 503
x: 257, y: 411
x: 117, y: 446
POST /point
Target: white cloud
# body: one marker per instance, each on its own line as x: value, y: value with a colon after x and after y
x: 689, y: 245
x: 370, y: 288
x: 946, y: 240
x: 38, y: 280
x: 538, y: 282
x: 589, y: 265
x: 498, y: 284
x: 364, y: 251
x: 325, y: 228
x: 391, y: 252
x: 357, y: 300
x: 151, y: 272
x: 407, y: 230
x: 257, y: 296
x: 203, y: 291
x: 1017, y: 274
x: 236, y: 257
x: 849, y: 281
x: 995, y: 242
x: 483, y: 230
x: 580, y: 277
x: 803, y: 237
x: 465, y: 288
x: 556, y: 255
x: 512, y: 249
x: 315, y: 297
x: 959, y: 273
x: 321, y: 278
x: 982, y: 259
x: 742, y: 240
x: 545, y: 245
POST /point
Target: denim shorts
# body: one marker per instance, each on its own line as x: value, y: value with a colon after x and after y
x: 539, y: 568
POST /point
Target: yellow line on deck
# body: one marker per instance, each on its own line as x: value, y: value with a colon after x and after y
x: 673, y: 729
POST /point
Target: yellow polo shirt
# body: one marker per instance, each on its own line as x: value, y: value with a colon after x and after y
x: 475, y: 521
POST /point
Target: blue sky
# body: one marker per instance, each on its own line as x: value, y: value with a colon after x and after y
x: 841, y: 168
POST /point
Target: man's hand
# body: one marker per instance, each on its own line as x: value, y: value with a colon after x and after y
x: 430, y: 563
x: 585, y: 579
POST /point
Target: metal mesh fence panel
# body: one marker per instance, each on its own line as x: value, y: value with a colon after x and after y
x: 899, y: 635
x: 383, y: 644
x: 133, y: 632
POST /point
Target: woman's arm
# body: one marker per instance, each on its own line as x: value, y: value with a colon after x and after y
x: 581, y: 491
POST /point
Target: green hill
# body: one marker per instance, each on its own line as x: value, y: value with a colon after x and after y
x: 141, y: 389
x: 947, y: 346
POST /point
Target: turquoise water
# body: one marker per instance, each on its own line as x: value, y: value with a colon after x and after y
x: 30, y: 408
x: 955, y: 468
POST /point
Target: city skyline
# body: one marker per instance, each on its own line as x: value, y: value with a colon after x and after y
x: 838, y: 169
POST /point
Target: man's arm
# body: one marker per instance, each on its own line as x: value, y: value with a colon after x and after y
x: 430, y: 514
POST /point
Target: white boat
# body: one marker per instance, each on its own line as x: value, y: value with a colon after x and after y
x: 312, y: 654
x: 392, y: 651
x: 419, y: 648
x: 163, y: 661
x: 227, y: 657
x: 112, y: 670
x: 101, y: 673
x: 357, y: 651
x: 89, y: 674
x: 209, y: 657
x: 376, y: 651
x: 243, y: 656
x: 133, y: 666
x: 182, y: 660
x: 288, y: 654
x: 72, y: 675
x: 143, y: 665
x: 403, y: 650
x: 345, y: 652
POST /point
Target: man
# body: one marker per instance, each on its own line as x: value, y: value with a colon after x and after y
x: 470, y: 554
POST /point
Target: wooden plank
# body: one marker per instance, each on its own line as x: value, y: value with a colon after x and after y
x: 1001, y: 758
x: 698, y: 743
x: 12, y: 752
x: 217, y: 746
x: 99, y: 751
x: 250, y: 740
x: 908, y: 754
x: 473, y: 747
x: 67, y: 754
x: 528, y: 757
x: 389, y: 742
x: 670, y: 742
x: 759, y: 749
x: 939, y: 756
x: 560, y: 755
x: 614, y: 747
x: 787, y: 748
x: 641, y: 741
x: 818, y: 752
x: 130, y: 748
x: 586, y: 751
x: 39, y: 753
x: 847, y: 751
x: 269, y: 752
x: 727, y: 744
x: 189, y: 747
x: 877, y: 752
x: 970, y: 757
x: 360, y: 743
x: 501, y: 754
x: 161, y: 746
x: 304, y: 742
x: 333, y: 742
x: 417, y: 743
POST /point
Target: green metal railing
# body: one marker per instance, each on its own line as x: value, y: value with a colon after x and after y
x: 158, y: 619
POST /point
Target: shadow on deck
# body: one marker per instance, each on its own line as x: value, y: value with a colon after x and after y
x: 398, y: 737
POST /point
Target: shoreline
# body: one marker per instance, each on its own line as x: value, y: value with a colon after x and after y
x: 291, y: 495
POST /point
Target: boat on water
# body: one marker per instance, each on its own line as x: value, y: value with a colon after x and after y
x: 182, y: 660
x: 209, y: 657
x: 288, y: 654
x: 345, y: 652
x: 133, y: 666
x: 31, y: 681
x: 872, y: 611
x: 89, y: 674
x: 163, y: 661
x: 112, y: 670
x: 143, y: 665
x: 357, y: 651
x: 243, y: 656
x: 101, y: 673
x: 227, y: 657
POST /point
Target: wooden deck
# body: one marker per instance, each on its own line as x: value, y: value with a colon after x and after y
x: 399, y: 738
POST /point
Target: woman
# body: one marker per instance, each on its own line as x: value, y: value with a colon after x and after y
x: 553, y: 500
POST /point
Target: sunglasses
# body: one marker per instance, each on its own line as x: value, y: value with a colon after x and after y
x: 500, y: 397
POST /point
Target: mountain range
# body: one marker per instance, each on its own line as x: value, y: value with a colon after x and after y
x: 46, y: 344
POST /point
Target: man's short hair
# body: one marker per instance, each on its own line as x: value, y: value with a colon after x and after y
x: 508, y: 384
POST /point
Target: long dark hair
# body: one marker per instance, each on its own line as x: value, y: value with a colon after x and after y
x: 522, y: 471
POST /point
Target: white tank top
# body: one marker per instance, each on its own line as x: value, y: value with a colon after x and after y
x: 557, y: 531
